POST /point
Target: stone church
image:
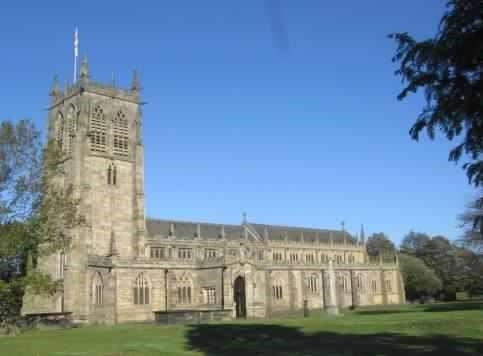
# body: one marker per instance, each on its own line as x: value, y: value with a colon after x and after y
x: 122, y: 266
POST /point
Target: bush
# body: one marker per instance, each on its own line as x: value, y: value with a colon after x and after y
x: 420, y: 281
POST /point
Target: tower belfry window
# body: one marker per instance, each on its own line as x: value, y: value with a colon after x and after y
x: 112, y: 174
x: 98, y: 130
x: 59, y: 131
x: 71, y: 127
x: 121, y: 135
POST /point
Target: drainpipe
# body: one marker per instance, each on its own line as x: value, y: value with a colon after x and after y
x: 222, y: 288
x: 166, y: 290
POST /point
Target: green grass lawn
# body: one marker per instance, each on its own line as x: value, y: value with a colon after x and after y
x: 437, y: 329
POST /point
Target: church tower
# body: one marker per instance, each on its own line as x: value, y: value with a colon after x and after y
x: 97, y: 127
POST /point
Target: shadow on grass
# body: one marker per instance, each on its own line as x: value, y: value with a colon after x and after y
x: 454, y: 306
x: 437, y: 307
x: 275, y: 340
x: 382, y: 312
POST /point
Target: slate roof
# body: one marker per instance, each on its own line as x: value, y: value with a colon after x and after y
x: 188, y: 230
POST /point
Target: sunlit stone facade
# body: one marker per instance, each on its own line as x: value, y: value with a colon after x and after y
x: 123, y: 267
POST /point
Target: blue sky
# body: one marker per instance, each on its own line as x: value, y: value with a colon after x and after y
x: 305, y: 133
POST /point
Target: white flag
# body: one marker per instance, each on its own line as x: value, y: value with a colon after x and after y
x: 76, y: 43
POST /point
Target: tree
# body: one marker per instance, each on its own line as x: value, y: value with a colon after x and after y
x: 470, y: 266
x: 472, y: 223
x: 379, y: 243
x: 439, y: 255
x: 453, y: 265
x: 36, y: 214
x: 419, y: 279
x: 448, y: 68
x: 413, y: 243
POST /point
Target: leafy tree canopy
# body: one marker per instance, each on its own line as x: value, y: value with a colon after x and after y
x: 472, y: 223
x: 419, y: 279
x: 379, y: 243
x: 414, y: 242
x: 36, y: 213
x: 448, y: 68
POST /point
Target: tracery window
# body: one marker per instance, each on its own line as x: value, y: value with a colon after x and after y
x: 98, y: 130
x: 112, y: 174
x: 141, y: 290
x: 97, y: 289
x: 59, y: 131
x: 184, y: 290
x: 121, y: 137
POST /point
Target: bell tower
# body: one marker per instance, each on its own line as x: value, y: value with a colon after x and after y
x: 97, y: 127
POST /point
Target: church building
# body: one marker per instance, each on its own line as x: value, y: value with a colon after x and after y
x: 122, y: 266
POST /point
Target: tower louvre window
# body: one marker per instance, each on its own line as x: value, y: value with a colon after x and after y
x: 112, y: 174
x: 98, y: 130
x: 71, y: 127
x: 121, y: 134
x: 59, y: 131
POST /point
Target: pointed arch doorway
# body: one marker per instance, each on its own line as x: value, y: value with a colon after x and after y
x: 240, y: 297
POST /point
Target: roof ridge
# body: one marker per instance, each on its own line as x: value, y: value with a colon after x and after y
x: 287, y: 227
x: 189, y: 222
x: 254, y: 224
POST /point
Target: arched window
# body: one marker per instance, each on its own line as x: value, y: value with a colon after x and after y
x: 121, y: 134
x: 388, y: 286
x: 98, y: 130
x: 97, y: 289
x: 112, y: 174
x: 59, y: 131
x: 184, y: 290
x: 277, y: 291
x: 71, y: 127
x: 312, y: 287
x: 141, y: 290
x: 374, y: 287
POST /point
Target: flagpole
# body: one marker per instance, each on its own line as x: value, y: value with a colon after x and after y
x: 76, y: 52
x: 75, y: 68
